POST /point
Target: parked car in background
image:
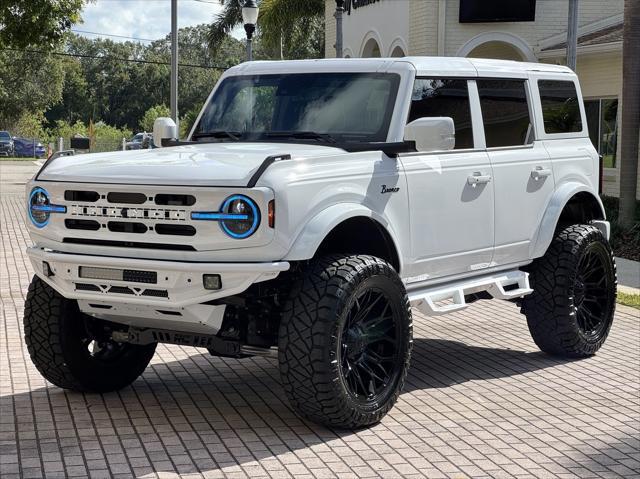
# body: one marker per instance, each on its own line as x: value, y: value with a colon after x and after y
x: 28, y: 147
x: 6, y: 144
x: 139, y: 141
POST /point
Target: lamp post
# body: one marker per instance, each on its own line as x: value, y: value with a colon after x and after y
x: 250, y: 18
x: 338, y: 15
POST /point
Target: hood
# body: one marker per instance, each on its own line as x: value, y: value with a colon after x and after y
x: 207, y: 164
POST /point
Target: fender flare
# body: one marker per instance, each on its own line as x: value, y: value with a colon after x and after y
x: 556, y: 205
x: 317, y: 228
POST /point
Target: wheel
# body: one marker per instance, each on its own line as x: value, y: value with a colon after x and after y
x: 73, y: 350
x: 571, y: 309
x: 345, y: 341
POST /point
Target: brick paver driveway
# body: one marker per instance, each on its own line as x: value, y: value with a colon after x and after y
x: 480, y: 400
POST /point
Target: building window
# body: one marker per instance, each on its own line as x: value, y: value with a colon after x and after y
x: 505, y: 112
x: 436, y: 97
x: 560, y: 107
x: 602, y: 121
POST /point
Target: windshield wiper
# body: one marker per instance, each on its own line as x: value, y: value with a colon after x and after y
x: 217, y: 134
x: 302, y: 135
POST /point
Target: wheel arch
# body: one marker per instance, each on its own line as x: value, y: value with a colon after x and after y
x: 347, y: 228
x: 572, y: 203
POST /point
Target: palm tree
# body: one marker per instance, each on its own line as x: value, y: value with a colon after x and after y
x: 630, y: 131
x: 280, y: 22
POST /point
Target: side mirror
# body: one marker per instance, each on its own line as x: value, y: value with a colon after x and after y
x: 431, y: 133
x: 164, y: 128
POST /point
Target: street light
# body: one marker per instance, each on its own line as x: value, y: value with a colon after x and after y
x: 338, y: 15
x: 250, y: 18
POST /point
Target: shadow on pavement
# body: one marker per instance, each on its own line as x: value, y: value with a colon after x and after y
x: 200, y: 413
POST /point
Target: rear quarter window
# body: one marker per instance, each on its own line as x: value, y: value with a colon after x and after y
x: 560, y: 106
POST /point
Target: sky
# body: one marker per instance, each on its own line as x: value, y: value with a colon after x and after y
x: 148, y: 19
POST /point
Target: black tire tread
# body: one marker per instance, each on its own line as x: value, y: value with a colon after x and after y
x: 309, y: 380
x: 549, y: 309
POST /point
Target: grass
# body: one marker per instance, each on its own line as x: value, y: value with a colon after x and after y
x: 627, y: 299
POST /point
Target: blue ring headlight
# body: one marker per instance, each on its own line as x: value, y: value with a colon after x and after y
x: 240, y: 216
x: 40, y: 207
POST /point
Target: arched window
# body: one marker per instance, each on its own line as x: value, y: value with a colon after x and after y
x: 398, y: 52
x: 371, y: 49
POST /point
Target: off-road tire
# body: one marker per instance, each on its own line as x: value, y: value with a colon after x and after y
x: 54, y: 330
x: 310, y: 338
x: 552, y: 309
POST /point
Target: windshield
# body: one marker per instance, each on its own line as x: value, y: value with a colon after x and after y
x: 138, y: 137
x: 343, y: 107
x: 5, y: 135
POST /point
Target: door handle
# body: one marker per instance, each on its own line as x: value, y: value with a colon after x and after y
x: 478, y: 179
x: 540, y: 172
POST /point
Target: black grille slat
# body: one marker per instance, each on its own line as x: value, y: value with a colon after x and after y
x: 87, y: 225
x: 156, y: 293
x: 82, y: 196
x: 175, y: 230
x: 87, y: 287
x: 121, y: 290
x: 128, y: 244
x: 127, y: 227
x: 175, y: 200
x: 126, y: 198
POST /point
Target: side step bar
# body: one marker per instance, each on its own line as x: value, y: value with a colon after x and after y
x: 503, y: 285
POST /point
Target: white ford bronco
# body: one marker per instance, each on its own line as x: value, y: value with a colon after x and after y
x: 313, y: 203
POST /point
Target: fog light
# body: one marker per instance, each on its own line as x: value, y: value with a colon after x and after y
x: 212, y: 281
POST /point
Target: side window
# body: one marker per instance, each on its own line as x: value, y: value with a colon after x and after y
x: 505, y: 112
x: 560, y: 107
x: 444, y: 97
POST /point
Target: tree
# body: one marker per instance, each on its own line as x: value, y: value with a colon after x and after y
x: 630, y: 131
x: 29, y: 83
x: 41, y: 23
x: 296, y: 27
x: 146, y: 124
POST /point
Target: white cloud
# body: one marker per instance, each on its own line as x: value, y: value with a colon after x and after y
x: 143, y: 18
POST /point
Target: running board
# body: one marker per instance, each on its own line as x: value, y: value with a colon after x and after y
x: 503, y: 285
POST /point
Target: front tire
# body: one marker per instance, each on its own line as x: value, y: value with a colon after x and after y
x: 571, y: 309
x: 345, y: 341
x: 73, y: 350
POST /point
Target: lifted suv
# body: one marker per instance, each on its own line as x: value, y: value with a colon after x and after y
x: 313, y: 203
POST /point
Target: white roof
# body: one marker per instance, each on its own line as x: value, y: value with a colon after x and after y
x: 441, y: 66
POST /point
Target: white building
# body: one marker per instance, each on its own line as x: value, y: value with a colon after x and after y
x: 525, y: 30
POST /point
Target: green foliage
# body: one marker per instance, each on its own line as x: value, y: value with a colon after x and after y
x: 29, y: 125
x: 146, y: 124
x: 28, y: 83
x: 296, y: 27
x: 41, y: 23
x: 625, y: 241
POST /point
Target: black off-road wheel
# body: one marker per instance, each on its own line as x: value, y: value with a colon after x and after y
x: 345, y: 341
x: 571, y: 309
x: 75, y: 351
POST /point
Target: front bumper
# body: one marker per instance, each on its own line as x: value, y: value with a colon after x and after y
x: 174, y: 301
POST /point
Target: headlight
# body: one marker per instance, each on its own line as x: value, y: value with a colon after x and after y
x: 240, y: 216
x: 40, y: 207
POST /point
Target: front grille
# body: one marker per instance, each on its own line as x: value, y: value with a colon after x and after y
x: 87, y: 287
x: 126, y: 227
x: 82, y: 196
x: 127, y: 198
x: 157, y: 293
x: 87, y: 225
x: 176, y: 230
x: 121, y: 290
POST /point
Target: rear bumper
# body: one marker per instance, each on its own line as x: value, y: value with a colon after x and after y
x: 176, y: 295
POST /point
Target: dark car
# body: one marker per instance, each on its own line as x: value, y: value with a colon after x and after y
x: 6, y: 144
x: 27, y: 147
x: 140, y: 141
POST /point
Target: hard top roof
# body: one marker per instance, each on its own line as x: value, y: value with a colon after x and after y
x: 442, y: 66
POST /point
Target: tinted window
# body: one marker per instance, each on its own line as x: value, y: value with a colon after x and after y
x: 4, y: 134
x: 505, y: 112
x: 560, y: 107
x: 348, y: 106
x: 603, y: 127
x: 450, y: 98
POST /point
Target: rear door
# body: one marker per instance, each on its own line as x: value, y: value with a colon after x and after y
x: 522, y: 169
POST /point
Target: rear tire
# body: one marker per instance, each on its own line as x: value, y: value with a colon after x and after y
x: 571, y: 309
x: 345, y: 341
x: 73, y: 350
